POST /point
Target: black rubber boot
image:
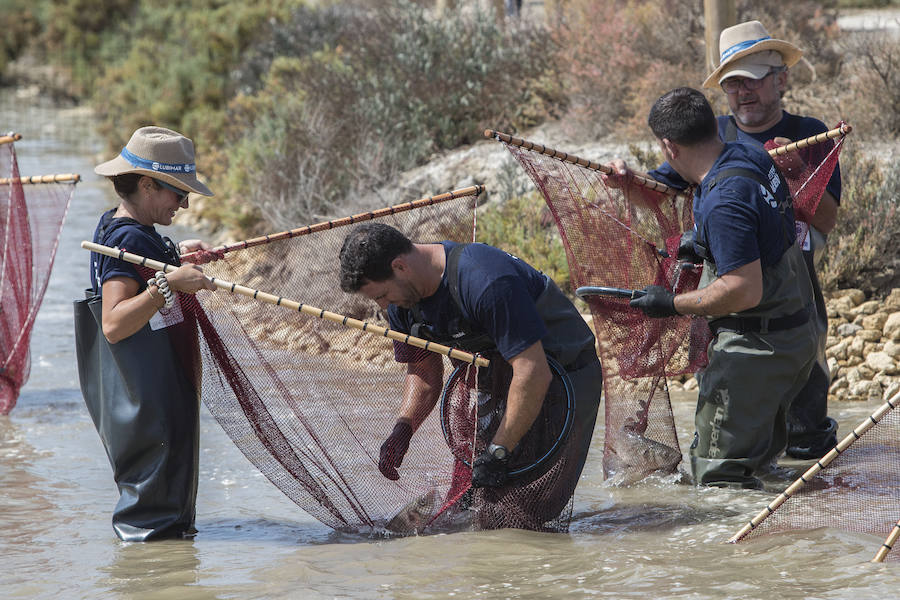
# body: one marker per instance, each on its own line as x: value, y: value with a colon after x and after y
x: 814, y: 444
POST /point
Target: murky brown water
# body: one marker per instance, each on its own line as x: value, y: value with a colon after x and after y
x: 657, y: 540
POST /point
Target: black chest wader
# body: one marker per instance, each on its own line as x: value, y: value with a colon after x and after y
x: 759, y: 359
x: 811, y: 432
x: 570, y: 342
x: 146, y: 409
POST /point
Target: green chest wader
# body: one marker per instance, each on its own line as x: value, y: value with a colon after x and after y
x: 146, y: 411
x: 570, y: 342
x: 811, y: 432
x: 759, y: 359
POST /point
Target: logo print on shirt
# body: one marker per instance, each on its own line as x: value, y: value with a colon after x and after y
x: 769, y: 198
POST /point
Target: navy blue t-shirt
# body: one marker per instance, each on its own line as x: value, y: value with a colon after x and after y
x: 497, y: 292
x: 790, y: 126
x: 742, y: 222
x: 126, y: 234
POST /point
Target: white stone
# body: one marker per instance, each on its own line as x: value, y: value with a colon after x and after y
x: 892, y: 349
x: 848, y: 329
x: 891, y: 329
x: 881, y: 361
x: 866, y: 389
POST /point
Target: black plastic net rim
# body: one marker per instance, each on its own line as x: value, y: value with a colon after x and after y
x: 545, y: 458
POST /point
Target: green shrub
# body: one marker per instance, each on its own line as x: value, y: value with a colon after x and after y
x: 524, y: 227
x: 862, y: 249
x: 388, y: 88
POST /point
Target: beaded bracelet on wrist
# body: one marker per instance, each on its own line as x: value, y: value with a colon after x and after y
x: 162, y: 284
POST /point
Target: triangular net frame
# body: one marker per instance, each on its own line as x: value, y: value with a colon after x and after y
x: 853, y: 487
x: 624, y: 238
x: 309, y: 402
x: 627, y: 237
x: 32, y: 212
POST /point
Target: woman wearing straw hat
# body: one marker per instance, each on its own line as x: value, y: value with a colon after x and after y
x: 136, y: 348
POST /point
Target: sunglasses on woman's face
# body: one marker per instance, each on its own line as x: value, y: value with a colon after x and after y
x: 179, y: 193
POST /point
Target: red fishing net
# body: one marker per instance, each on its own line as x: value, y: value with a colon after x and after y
x: 31, y: 218
x: 628, y: 238
x: 310, y: 402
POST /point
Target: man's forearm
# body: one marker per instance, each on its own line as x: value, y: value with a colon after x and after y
x: 733, y: 292
x: 530, y: 381
x: 421, y: 390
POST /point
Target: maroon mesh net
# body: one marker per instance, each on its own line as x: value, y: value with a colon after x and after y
x: 624, y: 238
x: 807, y: 171
x: 856, y: 492
x: 310, y: 402
x: 31, y: 218
x: 628, y: 238
x: 544, y: 465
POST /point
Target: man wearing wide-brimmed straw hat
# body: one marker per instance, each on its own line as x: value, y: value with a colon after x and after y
x: 135, y: 344
x: 753, y: 74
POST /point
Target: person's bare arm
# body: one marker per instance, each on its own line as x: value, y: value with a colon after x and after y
x: 530, y: 381
x: 421, y: 389
x: 732, y: 292
x: 825, y: 218
x: 125, y: 311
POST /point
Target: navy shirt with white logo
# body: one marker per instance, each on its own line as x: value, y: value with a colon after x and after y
x: 742, y: 221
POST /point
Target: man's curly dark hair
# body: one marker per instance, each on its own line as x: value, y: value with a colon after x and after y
x: 367, y: 253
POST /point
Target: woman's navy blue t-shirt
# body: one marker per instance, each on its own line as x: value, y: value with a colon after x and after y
x: 129, y: 235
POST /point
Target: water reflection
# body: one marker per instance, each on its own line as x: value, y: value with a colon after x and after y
x: 168, y: 569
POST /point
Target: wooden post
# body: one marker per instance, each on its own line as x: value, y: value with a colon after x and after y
x: 718, y: 15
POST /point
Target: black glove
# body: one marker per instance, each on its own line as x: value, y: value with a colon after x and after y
x: 657, y: 302
x: 393, y: 450
x: 489, y: 471
x: 686, y: 249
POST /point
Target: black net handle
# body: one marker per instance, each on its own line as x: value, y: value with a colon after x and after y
x: 610, y: 292
x: 558, y: 374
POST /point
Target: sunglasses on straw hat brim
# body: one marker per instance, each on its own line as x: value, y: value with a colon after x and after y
x: 159, y: 153
x: 743, y: 40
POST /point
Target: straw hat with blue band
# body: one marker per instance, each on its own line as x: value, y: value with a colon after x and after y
x: 159, y: 153
x: 747, y: 50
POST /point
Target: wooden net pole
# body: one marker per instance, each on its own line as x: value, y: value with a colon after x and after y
x: 10, y: 138
x: 34, y: 179
x: 648, y: 182
x: 575, y: 160
x: 474, y: 190
x: 841, y: 130
x: 888, y: 544
x: 823, y: 462
x: 306, y: 309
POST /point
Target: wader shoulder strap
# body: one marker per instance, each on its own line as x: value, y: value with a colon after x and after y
x: 763, y: 181
x: 731, y: 132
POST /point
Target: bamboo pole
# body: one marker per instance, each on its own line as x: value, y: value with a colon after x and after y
x: 474, y: 190
x: 647, y: 182
x: 63, y: 178
x: 10, y: 138
x: 888, y: 544
x: 306, y: 309
x: 823, y: 462
x: 840, y: 130
x: 575, y: 160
